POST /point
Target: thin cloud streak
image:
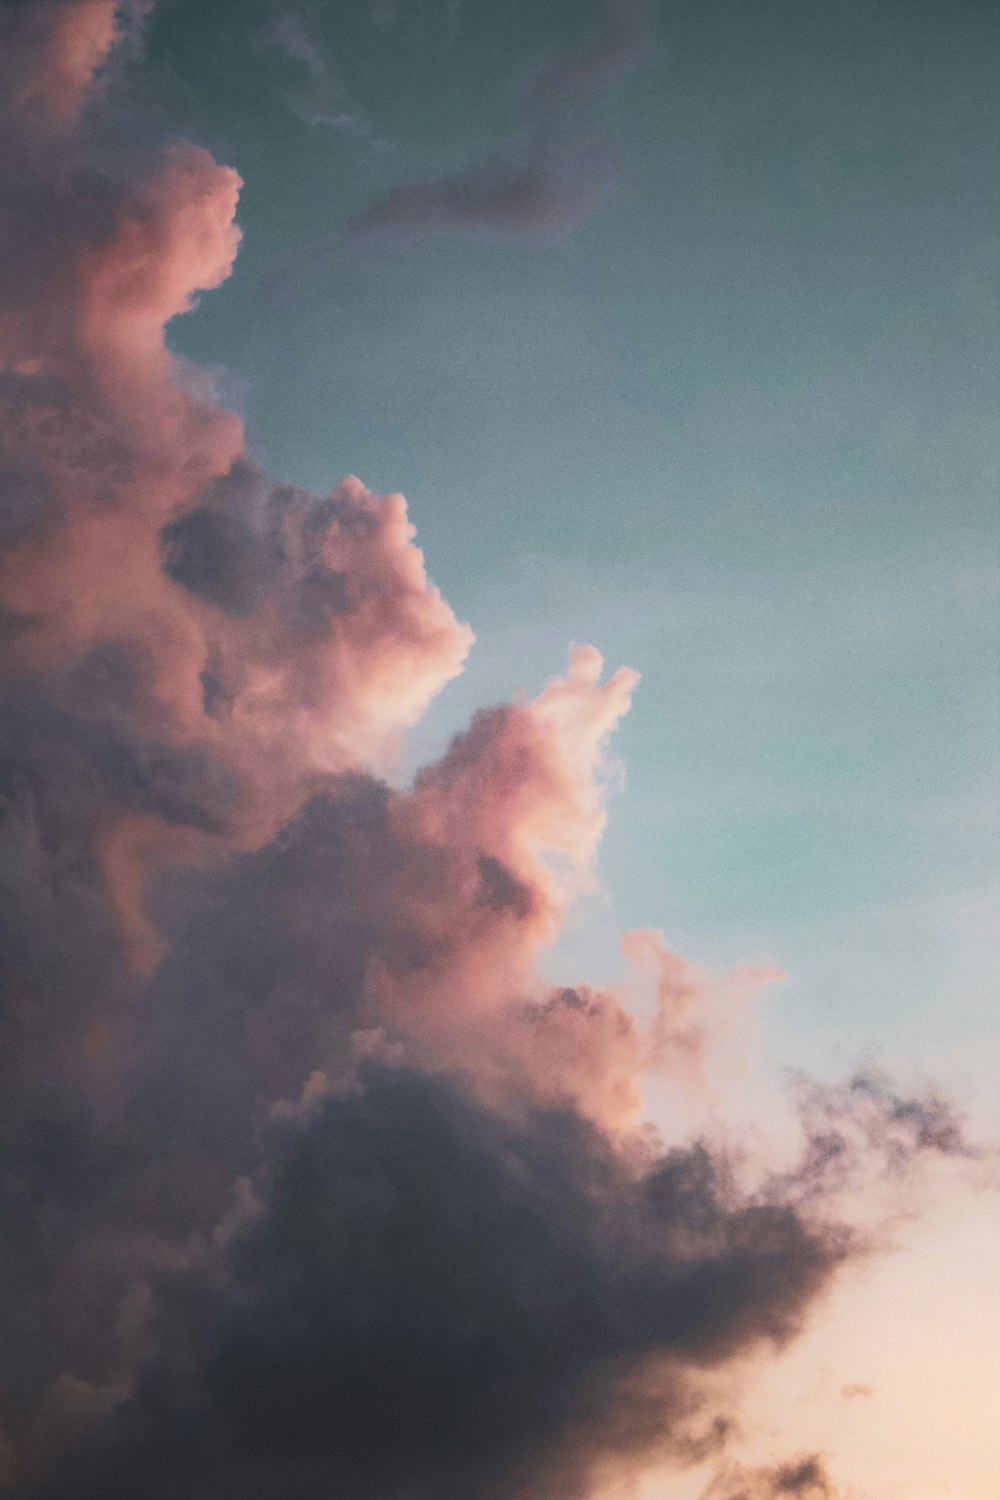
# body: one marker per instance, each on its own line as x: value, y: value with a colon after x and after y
x: 551, y: 173
x: 321, y: 98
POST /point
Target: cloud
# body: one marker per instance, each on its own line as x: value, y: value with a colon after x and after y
x: 308, y: 1176
x: 622, y: 35
x: 56, y: 51
x: 550, y: 173
x: 320, y: 98
x: 804, y: 1478
x: 539, y: 192
x: 33, y: 390
x: 549, y: 1299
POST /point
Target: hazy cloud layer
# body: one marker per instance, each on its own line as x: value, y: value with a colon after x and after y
x: 308, y: 1179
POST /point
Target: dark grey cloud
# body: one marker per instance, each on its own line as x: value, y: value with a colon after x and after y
x: 436, y: 1299
x: 394, y: 1284
x: 82, y: 744
x: 24, y: 498
x: 229, y: 548
x: 33, y: 390
x: 249, y: 540
x: 802, y: 1478
x: 869, y: 1109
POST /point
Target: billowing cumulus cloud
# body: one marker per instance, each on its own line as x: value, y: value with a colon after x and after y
x: 310, y: 1183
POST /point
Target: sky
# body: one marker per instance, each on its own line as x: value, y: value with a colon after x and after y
x: 499, y: 988
x: 738, y: 425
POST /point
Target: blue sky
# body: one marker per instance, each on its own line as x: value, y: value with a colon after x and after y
x: 736, y: 427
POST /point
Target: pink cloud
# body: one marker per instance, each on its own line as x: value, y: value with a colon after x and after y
x: 63, y: 44
x: 312, y: 1178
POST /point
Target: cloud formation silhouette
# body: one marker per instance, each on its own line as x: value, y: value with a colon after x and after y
x: 309, y: 1178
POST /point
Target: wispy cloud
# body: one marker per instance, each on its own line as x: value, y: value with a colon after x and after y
x: 321, y: 95
x: 804, y: 1478
x: 550, y: 172
x: 547, y: 176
